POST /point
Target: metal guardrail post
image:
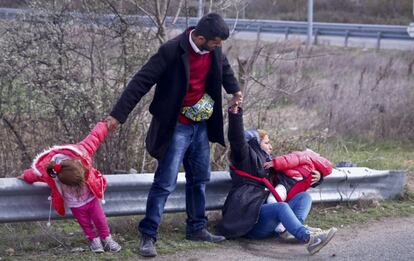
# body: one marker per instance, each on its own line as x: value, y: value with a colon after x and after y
x: 287, y: 33
x: 378, y: 41
x: 259, y: 30
x: 127, y: 194
x: 310, y: 22
x: 315, y: 38
x: 346, y: 38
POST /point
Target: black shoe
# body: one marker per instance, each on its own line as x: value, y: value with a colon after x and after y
x: 147, y: 246
x: 204, y: 235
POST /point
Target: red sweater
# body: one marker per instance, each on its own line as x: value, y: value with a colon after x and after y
x: 199, y: 68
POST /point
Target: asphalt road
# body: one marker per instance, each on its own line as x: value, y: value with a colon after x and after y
x: 387, y: 239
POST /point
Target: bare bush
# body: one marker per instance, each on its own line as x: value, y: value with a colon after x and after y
x: 340, y: 92
x: 62, y: 71
x: 60, y: 75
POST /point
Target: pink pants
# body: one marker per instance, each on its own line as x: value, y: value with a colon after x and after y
x: 89, y: 213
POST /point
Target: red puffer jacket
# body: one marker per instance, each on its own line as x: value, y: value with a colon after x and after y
x: 297, y: 167
x: 83, y: 151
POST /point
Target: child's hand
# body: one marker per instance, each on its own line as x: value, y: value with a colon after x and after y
x: 21, y: 177
x: 316, y: 176
x: 268, y: 165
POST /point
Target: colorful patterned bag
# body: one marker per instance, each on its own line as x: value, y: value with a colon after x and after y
x: 200, y: 111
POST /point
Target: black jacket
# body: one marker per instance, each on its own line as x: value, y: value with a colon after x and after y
x: 168, y: 69
x: 242, y: 206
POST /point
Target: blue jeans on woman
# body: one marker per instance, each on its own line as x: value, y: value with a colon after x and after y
x: 292, y: 215
x: 189, y: 145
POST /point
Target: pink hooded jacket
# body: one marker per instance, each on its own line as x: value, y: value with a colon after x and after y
x: 83, y: 151
x: 298, y: 166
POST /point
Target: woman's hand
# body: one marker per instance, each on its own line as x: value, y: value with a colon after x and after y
x: 235, y: 102
x: 316, y: 176
x: 237, y: 99
x: 268, y: 164
x: 234, y: 109
x: 112, y: 123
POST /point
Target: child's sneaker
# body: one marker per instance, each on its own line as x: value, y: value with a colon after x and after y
x: 96, y: 245
x: 319, y: 240
x: 111, y: 245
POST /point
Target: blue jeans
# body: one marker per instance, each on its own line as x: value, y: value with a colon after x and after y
x: 189, y: 145
x: 292, y: 215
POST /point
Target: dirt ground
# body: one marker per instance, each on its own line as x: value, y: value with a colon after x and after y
x: 387, y: 239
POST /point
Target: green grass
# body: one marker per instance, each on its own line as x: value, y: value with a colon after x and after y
x: 34, y: 240
x: 40, y: 243
x: 378, y: 155
x: 338, y: 215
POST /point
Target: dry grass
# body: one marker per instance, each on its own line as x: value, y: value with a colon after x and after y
x: 349, y: 11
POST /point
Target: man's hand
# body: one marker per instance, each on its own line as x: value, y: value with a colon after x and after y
x: 316, y: 176
x: 112, y: 123
x: 237, y: 99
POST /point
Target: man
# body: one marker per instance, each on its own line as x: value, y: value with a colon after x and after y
x: 188, y: 71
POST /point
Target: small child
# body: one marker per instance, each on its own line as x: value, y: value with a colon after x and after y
x: 73, y: 180
x: 295, y: 173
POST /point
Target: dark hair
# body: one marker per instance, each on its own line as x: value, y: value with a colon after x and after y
x: 212, y: 25
x: 72, y: 172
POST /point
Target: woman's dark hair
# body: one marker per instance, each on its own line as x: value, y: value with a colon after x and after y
x: 212, y: 25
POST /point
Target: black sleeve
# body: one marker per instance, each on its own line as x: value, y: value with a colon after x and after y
x: 139, y: 85
x: 238, y: 145
x: 230, y: 83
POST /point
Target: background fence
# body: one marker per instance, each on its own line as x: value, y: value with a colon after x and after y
x: 395, y: 32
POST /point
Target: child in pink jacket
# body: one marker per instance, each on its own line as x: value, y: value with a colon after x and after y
x: 294, y: 172
x: 74, y: 182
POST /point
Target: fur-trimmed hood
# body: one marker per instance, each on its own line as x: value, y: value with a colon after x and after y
x: 54, y: 150
x: 83, y: 151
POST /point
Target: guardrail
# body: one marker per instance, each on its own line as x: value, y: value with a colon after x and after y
x: 391, y: 32
x: 126, y: 194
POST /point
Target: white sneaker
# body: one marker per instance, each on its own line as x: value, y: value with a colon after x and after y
x: 96, y: 245
x: 280, y: 228
x: 289, y: 238
x: 319, y: 240
x: 111, y: 245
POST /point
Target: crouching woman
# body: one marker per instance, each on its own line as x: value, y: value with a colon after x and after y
x: 246, y: 212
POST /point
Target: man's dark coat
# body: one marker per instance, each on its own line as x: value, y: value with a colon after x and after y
x: 168, y: 69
